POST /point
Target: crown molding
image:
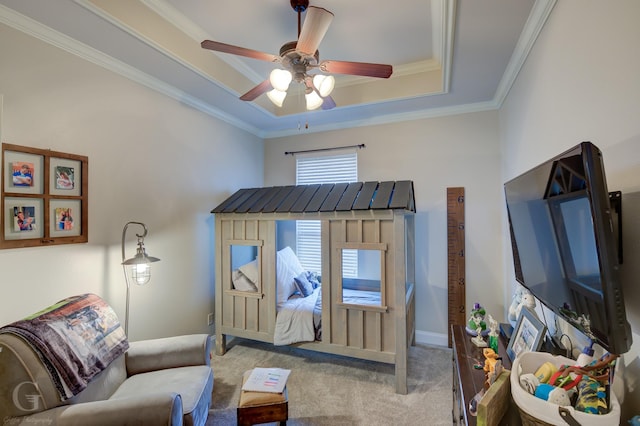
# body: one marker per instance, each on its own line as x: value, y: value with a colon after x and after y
x: 171, y: 14
x: 539, y: 14
x: 448, y: 19
x: 388, y: 119
x: 532, y: 28
x: 68, y: 44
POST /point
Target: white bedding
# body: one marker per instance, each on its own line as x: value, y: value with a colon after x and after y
x: 299, y: 317
x: 294, y: 322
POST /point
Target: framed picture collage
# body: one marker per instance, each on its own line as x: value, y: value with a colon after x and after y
x: 44, y: 197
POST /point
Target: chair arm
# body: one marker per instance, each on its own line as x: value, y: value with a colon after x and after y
x: 169, y: 352
x: 146, y: 410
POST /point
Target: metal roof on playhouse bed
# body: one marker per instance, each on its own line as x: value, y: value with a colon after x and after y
x: 321, y: 198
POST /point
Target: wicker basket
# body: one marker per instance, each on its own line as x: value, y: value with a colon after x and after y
x: 535, y: 411
x: 529, y: 420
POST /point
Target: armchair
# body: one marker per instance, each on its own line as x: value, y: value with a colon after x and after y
x: 160, y: 381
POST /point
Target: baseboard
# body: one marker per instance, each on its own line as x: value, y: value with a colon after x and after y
x: 432, y: 339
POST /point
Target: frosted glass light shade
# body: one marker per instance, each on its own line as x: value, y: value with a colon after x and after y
x: 324, y: 84
x: 313, y: 100
x: 280, y: 79
x: 141, y: 273
x: 277, y: 97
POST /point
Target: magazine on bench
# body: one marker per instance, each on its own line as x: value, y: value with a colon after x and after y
x: 267, y: 380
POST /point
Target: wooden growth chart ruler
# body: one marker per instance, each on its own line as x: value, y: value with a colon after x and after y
x: 456, y: 259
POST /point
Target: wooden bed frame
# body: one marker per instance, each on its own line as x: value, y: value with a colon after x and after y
x: 364, y: 216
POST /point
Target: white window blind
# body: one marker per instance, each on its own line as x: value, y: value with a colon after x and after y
x: 323, y: 169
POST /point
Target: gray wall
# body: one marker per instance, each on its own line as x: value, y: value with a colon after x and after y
x: 581, y: 82
x: 460, y: 150
x: 151, y: 159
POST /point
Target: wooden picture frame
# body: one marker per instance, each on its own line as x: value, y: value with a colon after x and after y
x: 528, y: 334
x: 24, y: 218
x: 23, y: 172
x: 51, y: 189
x: 65, y: 177
x: 65, y: 218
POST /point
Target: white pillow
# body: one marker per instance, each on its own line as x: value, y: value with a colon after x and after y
x: 287, y: 268
x: 250, y: 270
x: 241, y: 282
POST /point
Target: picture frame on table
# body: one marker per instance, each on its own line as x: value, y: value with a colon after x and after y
x: 527, y: 335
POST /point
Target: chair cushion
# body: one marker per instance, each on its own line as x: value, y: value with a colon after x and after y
x: 194, y: 384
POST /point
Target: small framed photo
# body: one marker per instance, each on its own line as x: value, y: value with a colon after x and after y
x: 65, y: 218
x: 65, y: 176
x: 24, y: 172
x: 528, y: 334
x: 23, y: 218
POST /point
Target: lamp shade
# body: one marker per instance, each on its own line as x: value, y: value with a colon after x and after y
x: 140, y: 270
x: 277, y: 97
x: 324, y: 84
x: 280, y: 79
x: 313, y: 99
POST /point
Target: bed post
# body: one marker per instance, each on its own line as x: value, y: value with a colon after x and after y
x: 399, y: 285
x: 221, y: 339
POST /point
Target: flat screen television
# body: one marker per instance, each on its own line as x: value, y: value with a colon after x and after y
x: 565, y: 245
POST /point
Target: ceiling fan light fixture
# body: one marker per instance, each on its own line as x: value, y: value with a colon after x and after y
x: 324, y: 84
x: 313, y: 99
x: 277, y: 97
x: 280, y: 79
x: 298, y: 57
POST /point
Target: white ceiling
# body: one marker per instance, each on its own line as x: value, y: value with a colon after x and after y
x: 448, y: 56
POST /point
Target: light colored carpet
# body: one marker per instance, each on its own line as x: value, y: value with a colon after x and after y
x: 334, y: 390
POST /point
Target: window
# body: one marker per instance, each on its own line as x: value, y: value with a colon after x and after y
x: 323, y: 169
x: 366, y: 287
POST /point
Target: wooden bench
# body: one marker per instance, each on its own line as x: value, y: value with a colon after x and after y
x: 262, y: 407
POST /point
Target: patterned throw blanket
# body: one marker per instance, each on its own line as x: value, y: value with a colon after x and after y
x: 76, y: 339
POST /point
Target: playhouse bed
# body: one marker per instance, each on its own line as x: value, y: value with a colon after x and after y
x: 265, y: 302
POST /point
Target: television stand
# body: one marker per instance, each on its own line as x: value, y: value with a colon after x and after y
x: 469, y: 380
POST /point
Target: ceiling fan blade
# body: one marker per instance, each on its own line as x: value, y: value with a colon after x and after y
x: 328, y: 103
x: 315, y: 26
x: 241, y: 51
x: 357, y: 68
x: 261, y: 88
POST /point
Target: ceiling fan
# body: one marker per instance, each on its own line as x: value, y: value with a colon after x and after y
x: 298, y: 58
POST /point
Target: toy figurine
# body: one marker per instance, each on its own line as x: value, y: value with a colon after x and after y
x: 476, y: 321
x: 493, y: 333
x: 492, y: 365
x: 478, y: 340
x: 515, y: 301
x: 522, y: 297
